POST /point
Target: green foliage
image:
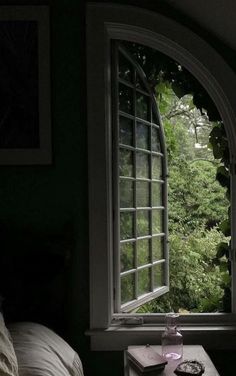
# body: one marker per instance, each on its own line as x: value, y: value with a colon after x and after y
x: 196, y: 284
x: 222, y: 250
x: 197, y: 204
x: 198, y: 217
x: 219, y: 143
x: 195, y: 197
x: 160, y: 67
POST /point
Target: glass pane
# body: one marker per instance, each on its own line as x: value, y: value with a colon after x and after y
x: 142, y: 136
x: 142, y: 165
x: 143, y: 222
x: 158, y: 275
x: 142, y: 104
x: 126, y: 225
x: 156, y: 194
x: 125, y: 99
x: 125, y: 68
x: 143, y: 251
x: 156, y: 146
x: 144, y: 281
x: 126, y: 162
x: 126, y: 131
x: 142, y: 193
x: 156, y: 167
x: 126, y: 194
x: 126, y: 256
x: 157, y: 248
x: 127, y: 288
x: 157, y: 221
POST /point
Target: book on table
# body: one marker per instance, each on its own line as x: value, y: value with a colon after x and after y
x: 145, y: 359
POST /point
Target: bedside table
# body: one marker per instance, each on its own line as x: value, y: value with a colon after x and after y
x: 190, y: 352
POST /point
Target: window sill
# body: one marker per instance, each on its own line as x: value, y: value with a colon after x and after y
x: 117, y: 338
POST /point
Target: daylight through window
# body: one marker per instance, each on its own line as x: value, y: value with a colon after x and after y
x: 166, y: 105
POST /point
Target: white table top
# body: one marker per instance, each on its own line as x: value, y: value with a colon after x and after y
x: 190, y: 352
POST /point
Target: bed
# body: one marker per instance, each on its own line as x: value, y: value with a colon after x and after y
x: 31, y: 349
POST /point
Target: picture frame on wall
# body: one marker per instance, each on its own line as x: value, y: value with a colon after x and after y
x: 25, y: 118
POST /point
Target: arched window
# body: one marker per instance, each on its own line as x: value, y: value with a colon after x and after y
x: 140, y: 190
x: 110, y: 188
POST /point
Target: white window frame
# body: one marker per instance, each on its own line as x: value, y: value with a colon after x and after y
x: 110, y: 22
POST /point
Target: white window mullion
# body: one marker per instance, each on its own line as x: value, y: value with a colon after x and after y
x: 150, y: 198
x: 116, y: 181
x: 135, y: 190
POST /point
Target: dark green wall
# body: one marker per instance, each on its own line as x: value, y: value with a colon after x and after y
x: 48, y: 204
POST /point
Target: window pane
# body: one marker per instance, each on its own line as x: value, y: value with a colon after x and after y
x: 126, y: 256
x: 156, y: 194
x: 126, y: 131
x: 127, y: 288
x: 140, y: 189
x: 126, y: 194
x: 125, y: 68
x: 158, y: 275
x: 144, y: 281
x: 142, y: 193
x: 142, y: 165
x: 142, y: 104
x: 157, y: 248
x: 126, y: 162
x: 157, y: 221
x: 143, y: 222
x: 126, y: 225
x: 143, y: 251
x: 156, y: 146
x: 156, y: 167
x: 142, y: 136
x: 125, y: 99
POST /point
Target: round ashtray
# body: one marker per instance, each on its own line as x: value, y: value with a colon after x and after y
x: 189, y: 368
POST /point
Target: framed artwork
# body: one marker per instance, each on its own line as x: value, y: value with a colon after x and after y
x: 25, y: 120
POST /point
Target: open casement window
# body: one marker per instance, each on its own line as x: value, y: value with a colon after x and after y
x: 114, y: 22
x: 140, y: 187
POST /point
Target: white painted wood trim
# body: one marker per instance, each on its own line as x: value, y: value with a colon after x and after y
x: 117, y: 339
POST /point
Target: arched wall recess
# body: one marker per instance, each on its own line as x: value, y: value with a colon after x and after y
x: 109, y: 22
x: 167, y: 36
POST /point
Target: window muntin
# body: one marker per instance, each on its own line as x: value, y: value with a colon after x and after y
x: 141, y: 188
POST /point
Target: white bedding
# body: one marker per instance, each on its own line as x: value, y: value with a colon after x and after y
x: 8, y: 361
x: 41, y: 352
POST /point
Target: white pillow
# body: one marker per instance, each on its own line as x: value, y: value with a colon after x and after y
x: 8, y: 360
x: 41, y: 352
